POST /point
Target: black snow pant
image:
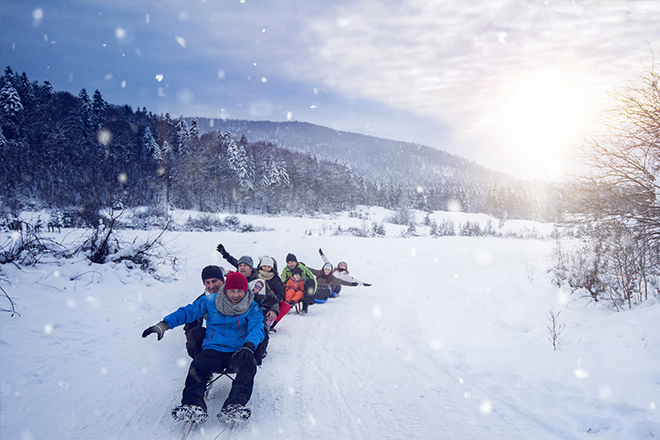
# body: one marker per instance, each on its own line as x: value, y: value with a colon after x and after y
x: 212, y: 361
x: 322, y: 293
x: 310, y: 290
x: 335, y: 288
x: 194, y: 339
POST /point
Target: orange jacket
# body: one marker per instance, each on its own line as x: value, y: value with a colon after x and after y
x: 294, y: 290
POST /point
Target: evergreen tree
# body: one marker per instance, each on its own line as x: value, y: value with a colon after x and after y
x: 194, y: 131
x: 182, y: 131
x: 98, y: 110
x: 244, y: 169
x: 10, y: 102
x: 85, y: 109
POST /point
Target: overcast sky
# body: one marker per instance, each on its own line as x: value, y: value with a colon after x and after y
x: 507, y: 84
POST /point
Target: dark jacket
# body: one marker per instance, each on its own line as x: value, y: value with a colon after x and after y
x: 268, y: 301
x: 323, y: 281
x: 274, y: 282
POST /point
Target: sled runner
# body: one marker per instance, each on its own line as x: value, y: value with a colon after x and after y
x: 226, y: 372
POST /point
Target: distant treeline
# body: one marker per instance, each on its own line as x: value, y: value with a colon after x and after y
x: 61, y: 151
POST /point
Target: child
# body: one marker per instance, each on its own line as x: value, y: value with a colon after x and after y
x: 295, y: 287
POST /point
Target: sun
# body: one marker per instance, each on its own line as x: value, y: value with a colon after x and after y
x: 539, y: 117
x: 543, y: 110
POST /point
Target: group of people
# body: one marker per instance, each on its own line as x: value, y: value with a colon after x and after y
x: 241, y: 308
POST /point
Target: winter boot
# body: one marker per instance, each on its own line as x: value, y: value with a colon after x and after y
x: 334, y: 294
x: 235, y: 412
x: 304, y: 308
x: 190, y: 413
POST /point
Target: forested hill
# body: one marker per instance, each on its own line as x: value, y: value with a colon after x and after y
x: 64, y: 151
x: 431, y: 178
x: 375, y: 158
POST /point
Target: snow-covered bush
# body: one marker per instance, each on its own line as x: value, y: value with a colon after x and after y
x: 444, y: 229
x: 26, y: 246
x: 402, y: 216
x: 212, y: 223
x: 358, y: 232
x: 474, y: 229
x: 612, y: 265
x: 378, y: 229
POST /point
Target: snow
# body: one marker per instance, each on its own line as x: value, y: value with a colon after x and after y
x: 451, y: 341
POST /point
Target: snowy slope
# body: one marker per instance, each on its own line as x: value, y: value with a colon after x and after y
x: 450, y: 342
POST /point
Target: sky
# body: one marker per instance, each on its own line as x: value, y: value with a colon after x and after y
x: 511, y: 85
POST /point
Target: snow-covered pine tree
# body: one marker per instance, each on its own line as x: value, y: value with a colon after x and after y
x: 10, y: 102
x: 99, y: 107
x: 150, y: 144
x: 161, y: 154
x: 244, y: 169
x: 85, y: 110
x: 275, y: 174
x: 194, y: 131
x: 182, y: 134
x: 363, y: 191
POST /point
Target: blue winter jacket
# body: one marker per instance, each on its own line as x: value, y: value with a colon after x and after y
x: 226, y: 333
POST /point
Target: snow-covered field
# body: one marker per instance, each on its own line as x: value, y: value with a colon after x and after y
x: 450, y: 342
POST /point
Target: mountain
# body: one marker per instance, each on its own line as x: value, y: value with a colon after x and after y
x: 376, y: 158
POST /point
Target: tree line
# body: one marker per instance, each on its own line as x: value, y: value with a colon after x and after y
x: 62, y: 151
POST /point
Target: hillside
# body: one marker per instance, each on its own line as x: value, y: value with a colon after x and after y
x: 375, y: 158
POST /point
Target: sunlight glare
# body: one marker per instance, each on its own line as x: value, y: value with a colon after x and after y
x: 539, y: 117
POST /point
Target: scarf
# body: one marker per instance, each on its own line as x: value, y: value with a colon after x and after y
x: 265, y: 275
x: 226, y: 307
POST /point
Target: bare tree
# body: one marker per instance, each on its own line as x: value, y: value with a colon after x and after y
x: 620, y: 178
x: 618, y: 188
x: 555, y: 328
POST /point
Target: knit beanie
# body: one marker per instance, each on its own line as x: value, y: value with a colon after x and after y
x: 247, y: 260
x: 212, y: 272
x: 236, y: 280
x: 296, y: 270
x: 328, y: 265
x: 291, y: 257
x: 267, y: 261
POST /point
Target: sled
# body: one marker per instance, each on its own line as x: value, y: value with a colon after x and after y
x: 226, y: 372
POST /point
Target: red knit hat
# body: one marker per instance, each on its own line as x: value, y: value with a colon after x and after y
x: 236, y: 280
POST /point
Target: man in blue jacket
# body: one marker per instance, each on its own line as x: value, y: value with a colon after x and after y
x: 234, y: 327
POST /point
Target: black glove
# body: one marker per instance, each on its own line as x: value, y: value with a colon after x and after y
x: 159, y: 329
x: 222, y: 250
x: 366, y: 284
x: 243, y: 355
x: 354, y: 284
x: 320, y: 251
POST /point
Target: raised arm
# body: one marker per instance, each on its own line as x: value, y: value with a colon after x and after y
x: 227, y: 256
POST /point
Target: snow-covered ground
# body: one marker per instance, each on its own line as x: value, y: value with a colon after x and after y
x: 450, y: 342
